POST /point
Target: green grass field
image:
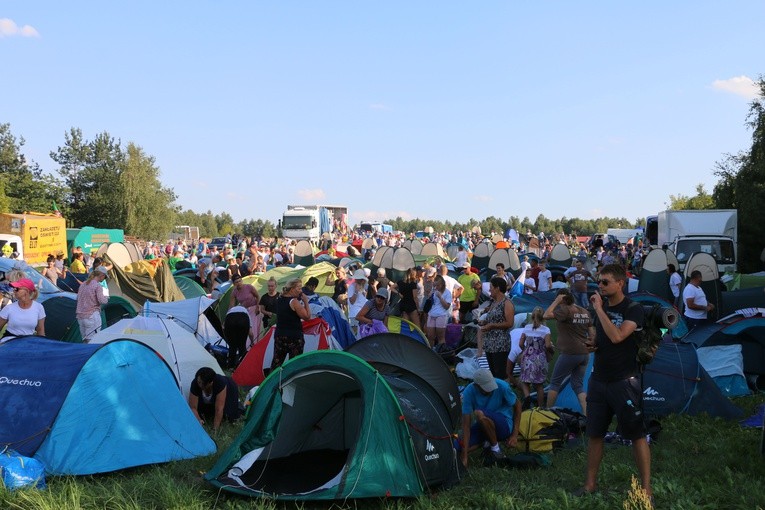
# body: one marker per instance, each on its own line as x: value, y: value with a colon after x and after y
x: 698, y: 462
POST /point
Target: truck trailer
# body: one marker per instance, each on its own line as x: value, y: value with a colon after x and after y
x: 311, y: 222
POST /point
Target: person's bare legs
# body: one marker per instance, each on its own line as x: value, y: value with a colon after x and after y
x: 582, y: 402
x: 430, y: 332
x: 488, y: 427
x: 440, y: 335
x: 540, y: 395
x: 510, y: 377
x: 552, y: 396
x: 642, y: 453
x: 594, y: 458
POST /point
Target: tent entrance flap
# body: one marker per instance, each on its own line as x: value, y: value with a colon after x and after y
x: 319, y: 425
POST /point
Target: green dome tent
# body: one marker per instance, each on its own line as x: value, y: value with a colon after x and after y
x: 61, y: 321
x: 327, y: 425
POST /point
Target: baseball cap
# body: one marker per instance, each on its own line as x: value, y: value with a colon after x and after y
x: 24, y: 283
x: 359, y: 274
x: 431, y: 271
x: 383, y: 293
x: 102, y: 270
x: 485, y: 379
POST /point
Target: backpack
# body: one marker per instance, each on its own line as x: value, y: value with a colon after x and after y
x: 648, y: 337
x: 541, y: 430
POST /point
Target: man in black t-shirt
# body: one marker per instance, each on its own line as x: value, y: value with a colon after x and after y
x: 615, y: 387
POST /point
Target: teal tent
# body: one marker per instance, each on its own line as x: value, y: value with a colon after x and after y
x: 61, y: 321
x: 83, y: 409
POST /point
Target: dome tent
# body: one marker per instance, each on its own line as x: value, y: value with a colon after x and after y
x: 178, y: 347
x: 303, y: 253
x: 83, y: 409
x: 330, y: 425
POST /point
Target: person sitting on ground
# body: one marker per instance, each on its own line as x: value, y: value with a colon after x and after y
x: 213, y: 397
x: 497, y: 413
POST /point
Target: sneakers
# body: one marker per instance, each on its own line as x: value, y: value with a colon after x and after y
x: 491, y: 457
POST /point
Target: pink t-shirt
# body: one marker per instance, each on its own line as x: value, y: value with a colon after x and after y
x: 244, y: 295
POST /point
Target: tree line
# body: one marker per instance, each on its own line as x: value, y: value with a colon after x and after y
x: 105, y: 183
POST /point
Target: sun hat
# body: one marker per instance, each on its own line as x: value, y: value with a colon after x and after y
x: 359, y: 274
x: 485, y: 379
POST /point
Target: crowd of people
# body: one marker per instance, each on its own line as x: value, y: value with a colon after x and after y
x: 429, y: 297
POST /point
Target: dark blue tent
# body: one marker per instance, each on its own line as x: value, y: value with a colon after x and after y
x: 84, y: 409
x: 674, y: 382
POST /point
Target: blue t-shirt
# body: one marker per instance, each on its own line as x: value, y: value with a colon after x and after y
x: 502, y: 400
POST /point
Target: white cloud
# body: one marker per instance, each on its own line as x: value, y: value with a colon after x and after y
x: 379, y: 106
x: 742, y: 86
x: 483, y: 198
x: 9, y: 28
x: 312, y: 194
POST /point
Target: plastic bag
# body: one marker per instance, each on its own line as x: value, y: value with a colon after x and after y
x: 371, y: 329
x: 18, y: 471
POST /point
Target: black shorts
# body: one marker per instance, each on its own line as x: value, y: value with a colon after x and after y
x: 621, y: 398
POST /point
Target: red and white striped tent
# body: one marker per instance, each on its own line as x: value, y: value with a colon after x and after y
x: 250, y: 372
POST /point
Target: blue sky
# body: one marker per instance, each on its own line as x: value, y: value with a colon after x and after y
x: 443, y: 110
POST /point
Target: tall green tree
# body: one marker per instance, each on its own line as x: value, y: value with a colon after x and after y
x: 25, y: 186
x: 742, y: 186
x: 148, y: 208
x: 701, y: 200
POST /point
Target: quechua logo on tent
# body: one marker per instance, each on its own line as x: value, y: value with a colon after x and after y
x: 19, y: 382
x: 429, y: 447
x: 651, y: 394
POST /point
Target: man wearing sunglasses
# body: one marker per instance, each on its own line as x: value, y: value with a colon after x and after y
x: 615, y: 387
